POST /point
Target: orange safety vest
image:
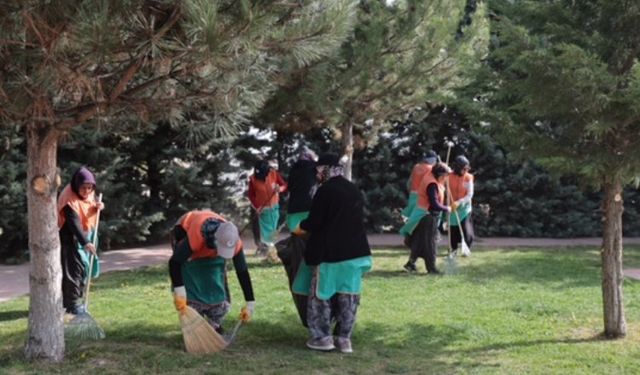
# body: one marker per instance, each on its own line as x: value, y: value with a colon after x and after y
x: 265, y: 192
x: 192, y: 222
x: 417, y: 173
x: 423, y: 197
x: 457, y: 185
x: 85, y: 209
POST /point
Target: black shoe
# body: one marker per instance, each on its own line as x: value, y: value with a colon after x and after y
x: 410, y: 267
x: 407, y: 241
x: 76, y: 310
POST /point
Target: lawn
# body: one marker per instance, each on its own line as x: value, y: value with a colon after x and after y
x: 524, y: 311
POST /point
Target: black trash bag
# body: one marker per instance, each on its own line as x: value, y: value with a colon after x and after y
x: 290, y: 251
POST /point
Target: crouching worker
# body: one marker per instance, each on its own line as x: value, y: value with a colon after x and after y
x: 336, y: 256
x: 202, y: 241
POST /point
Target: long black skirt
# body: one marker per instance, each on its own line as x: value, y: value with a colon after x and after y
x: 290, y: 251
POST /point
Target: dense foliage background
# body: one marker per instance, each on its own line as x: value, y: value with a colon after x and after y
x: 150, y: 177
x: 151, y: 171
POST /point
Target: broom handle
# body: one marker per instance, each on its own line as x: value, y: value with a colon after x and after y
x: 459, y: 227
x: 235, y: 331
x: 449, y: 201
x: 446, y: 182
x: 92, y: 257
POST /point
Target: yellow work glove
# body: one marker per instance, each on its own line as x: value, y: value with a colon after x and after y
x: 454, y: 206
x: 180, y: 299
x: 247, y: 311
x: 299, y: 231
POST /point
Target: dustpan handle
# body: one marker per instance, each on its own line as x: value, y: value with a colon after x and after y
x: 92, y: 257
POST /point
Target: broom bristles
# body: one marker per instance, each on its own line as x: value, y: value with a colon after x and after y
x: 465, y: 249
x: 451, y: 266
x: 83, y: 327
x: 199, y: 336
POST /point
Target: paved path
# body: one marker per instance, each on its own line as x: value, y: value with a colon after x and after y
x: 14, y: 280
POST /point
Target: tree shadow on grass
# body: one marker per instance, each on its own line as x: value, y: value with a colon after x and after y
x: 556, y: 268
x: 529, y: 343
x: 390, y: 254
x: 564, y: 268
x: 6, y: 316
x: 378, y: 348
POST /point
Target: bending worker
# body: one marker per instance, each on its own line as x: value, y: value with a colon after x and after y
x: 202, y: 242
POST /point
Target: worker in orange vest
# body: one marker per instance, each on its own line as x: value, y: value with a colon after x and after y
x: 461, y: 185
x: 202, y: 242
x: 421, y: 229
x: 77, y: 222
x: 265, y: 187
x: 419, y: 170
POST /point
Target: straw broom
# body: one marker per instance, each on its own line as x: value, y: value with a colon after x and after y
x: 463, y: 244
x: 83, y: 326
x: 199, y: 336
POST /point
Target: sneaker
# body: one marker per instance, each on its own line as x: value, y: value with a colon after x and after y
x: 262, y: 250
x: 323, y: 344
x: 410, y: 267
x: 343, y: 344
x: 271, y: 256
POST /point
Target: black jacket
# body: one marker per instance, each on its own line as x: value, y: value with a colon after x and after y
x: 336, y: 224
x: 302, y: 177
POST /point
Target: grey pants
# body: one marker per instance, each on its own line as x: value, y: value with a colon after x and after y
x: 213, y: 313
x: 341, y: 309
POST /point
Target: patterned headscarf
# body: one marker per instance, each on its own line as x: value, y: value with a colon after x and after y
x: 307, y: 154
x: 329, y: 166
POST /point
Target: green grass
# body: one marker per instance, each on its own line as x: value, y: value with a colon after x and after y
x: 519, y: 311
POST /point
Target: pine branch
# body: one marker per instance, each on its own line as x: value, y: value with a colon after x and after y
x: 17, y: 42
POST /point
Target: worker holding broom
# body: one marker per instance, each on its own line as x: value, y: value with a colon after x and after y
x: 77, y: 223
x: 202, y: 241
x: 336, y: 256
x: 265, y: 186
x: 421, y: 228
x: 461, y: 184
x: 419, y: 170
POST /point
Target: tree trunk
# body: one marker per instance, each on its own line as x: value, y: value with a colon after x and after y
x: 615, y: 325
x: 45, y: 340
x: 347, y: 148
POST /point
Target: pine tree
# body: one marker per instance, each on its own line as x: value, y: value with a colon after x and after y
x: 565, y: 82
x: 401, y: 55
x: 13, y: 238
x: 204, y: 66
